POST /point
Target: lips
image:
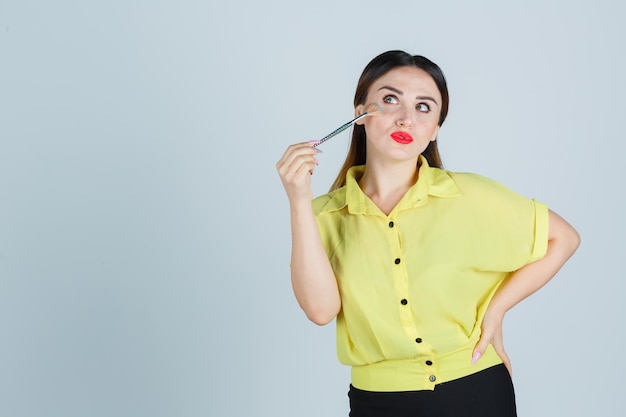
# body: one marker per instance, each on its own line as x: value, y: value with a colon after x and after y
x: 402, y: 137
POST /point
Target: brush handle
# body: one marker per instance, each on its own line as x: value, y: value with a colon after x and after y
x: 340, y: 129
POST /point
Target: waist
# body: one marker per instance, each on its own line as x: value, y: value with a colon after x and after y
x: 417, y: 374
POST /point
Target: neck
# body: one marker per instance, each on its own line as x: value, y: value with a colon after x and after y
x: 386, y: 184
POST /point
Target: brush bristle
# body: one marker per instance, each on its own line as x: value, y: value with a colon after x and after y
x: 373, y: 109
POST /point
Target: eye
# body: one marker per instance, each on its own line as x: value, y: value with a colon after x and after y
x: 423, y: 107
x: 390, y: 99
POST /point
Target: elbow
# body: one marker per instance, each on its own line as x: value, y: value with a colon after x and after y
x: 563, y: 236
x: 320, y: 320
x: 566, y: 244
x: 575, y: 240
x: 571, y: 240
x: 322, y: 317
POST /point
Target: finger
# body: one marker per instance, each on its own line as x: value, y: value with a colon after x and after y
x: 498, y: 346
x: 480, y: 347
x: 295, y: 170
x: 297, y: 181
x: 305, y: 170
x: 296, y: 148
x: 294, y: 152
x: 508, y: 365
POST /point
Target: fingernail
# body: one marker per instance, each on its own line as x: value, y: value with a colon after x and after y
x: 475, y: 358
x: 314, y: 142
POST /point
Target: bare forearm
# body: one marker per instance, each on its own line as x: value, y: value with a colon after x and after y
x: 312, y: 277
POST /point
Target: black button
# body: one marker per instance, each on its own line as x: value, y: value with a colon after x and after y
x: 429, y: 363
x: 397, y: 261
x: 404, y: 301
x: 390, y: 224
x: 418, y: 340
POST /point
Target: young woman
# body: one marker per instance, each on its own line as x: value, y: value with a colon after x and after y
x: 417, y: 264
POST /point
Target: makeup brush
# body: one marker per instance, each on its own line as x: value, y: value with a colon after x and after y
x: 373, y: 109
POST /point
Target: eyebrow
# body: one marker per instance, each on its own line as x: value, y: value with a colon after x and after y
x: 395, y: 90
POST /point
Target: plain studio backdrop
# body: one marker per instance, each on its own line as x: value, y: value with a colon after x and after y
x: 144, y: 232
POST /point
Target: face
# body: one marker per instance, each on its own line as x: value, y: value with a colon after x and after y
x: 411, y: 104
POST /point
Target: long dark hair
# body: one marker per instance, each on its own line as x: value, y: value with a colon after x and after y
x: 378, y: 67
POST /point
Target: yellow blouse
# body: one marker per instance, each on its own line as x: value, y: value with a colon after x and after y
x: 415, y: 283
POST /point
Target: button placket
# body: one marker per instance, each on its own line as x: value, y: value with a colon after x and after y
x: 431, y: 370
x: 424, y: 358
x: 401, y: 285
x: 399, y: 276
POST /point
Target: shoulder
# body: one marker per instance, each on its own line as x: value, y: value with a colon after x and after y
x: 489, y: 196
x: 332, y: 201
x: 475, y: 184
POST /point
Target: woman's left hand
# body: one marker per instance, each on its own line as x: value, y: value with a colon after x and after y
x: 562, y: 242
x: 492, y: 333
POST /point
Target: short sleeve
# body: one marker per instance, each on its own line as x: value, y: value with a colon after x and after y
x: 541, y: 231
x: 496, y: 228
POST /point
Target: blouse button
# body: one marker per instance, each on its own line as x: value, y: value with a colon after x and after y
x: 429, y: 363
x: 418, y: 340
x: 432, y: 378
x: 404, y: 301
x: 390, y: 224
x: 397, y: 261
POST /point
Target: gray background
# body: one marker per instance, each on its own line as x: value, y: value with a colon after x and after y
x: 144, y: 233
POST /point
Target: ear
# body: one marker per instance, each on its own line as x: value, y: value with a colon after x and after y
x: 358, y: 110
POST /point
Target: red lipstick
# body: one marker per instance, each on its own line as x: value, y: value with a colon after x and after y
x: 402, y: 137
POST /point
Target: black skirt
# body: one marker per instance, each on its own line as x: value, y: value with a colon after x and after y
x: 487, y: 393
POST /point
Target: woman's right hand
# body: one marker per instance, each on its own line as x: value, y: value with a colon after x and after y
x: 295, y: 169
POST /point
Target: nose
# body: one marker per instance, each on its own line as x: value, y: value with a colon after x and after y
x: 404, y: 117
